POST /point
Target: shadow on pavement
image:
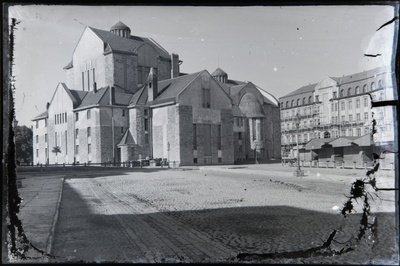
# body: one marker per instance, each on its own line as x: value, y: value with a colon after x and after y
x: 120, y: 235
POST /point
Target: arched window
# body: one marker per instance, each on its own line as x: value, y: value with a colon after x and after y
x: 304, y: 100
x: 372, y: 86
x: 349, y: 92
x: 292, y: 103
x: 327, y: 135
x: 298, y: 102
x: 287, y: 104
x: 380, y: 84
x: 357, y: 90
x: 365, y: 88
x: 341, y: 92
x: 310, y: 99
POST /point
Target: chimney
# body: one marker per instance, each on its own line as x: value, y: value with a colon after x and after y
x: 47, y: 105
x: 112, y: 96
x: 94, y: 87
x: 174, y: 66
x: 152, y: 85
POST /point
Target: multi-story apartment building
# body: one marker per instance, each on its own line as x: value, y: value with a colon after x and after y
x: 335, y: 118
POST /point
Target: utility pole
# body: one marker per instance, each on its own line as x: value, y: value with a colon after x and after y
x: 298, y: 171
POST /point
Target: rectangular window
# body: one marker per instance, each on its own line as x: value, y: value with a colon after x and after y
x: 123, y: 112
x: 334, y: 95
x: 55, y: 138
x: 350, y: 117
x: 146, y: 138
x: 45, y: 122
x: 194, y: 137
x: 76, y: 116
x: 37, y: 139
x: 45, y: 153
x: 219, y: 135
x: 358, y: 103
x: 343, y: 118
x: 45, y: 137
x: 37, y: 124
x: 76, y: 133
x: 358, y: 132
x: 37, y: 152
x: 194, y: 160
x: 66, y: 142
x: 65, y: 114
x: 77, y: 149
x: 146, y: 124
x: 336, y: 104
x: 350, y: 105
x: 122, y: 130
x: 88, y: 132
x: 83, y: 81
x: 332, y: 107
x: 366, y: 116
x: 88, y: 114
x: 219, y: 160
x: 365, y: 102
x: 350, y: 132
x: 89, y: 148
x: 239, y: 135
x: 145, y: 112
x: 358, y: 117
x: 206, y: 98
x: 342, y: 106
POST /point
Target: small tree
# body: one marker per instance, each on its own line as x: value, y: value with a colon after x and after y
x: 56, y: 150
x: 23, y: 144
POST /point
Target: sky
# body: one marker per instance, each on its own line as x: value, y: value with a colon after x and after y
x: 279, y: 49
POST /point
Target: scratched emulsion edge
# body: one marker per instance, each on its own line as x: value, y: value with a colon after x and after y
x: 325, y: 248
x: 4, y: 122
x: 15, y: 241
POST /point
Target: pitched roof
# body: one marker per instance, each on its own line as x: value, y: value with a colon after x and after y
x: 40, y: 116
x: 219, y: 72
x: 362, y: 75
x: 304, y: 89
x: 140, y: 97
x: 237, y: 112
x: 168, y: 89
x: 127, y: 139
x: 102, y: 97
x: 127, y: 45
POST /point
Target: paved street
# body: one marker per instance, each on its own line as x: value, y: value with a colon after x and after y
x: 210, y: 214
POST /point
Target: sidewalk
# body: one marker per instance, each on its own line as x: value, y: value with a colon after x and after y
x: 41, y: 196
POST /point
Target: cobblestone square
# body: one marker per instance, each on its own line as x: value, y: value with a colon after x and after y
x: 211, y: 214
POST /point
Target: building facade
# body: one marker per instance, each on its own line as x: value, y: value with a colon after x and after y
x: 125, y: 99
x: 335, y: 118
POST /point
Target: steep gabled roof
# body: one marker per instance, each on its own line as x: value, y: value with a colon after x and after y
x: 102, y: 97
x: 127, y: 139
x: 127, y: 45
x: 170, y: 88
x: 140, y: 97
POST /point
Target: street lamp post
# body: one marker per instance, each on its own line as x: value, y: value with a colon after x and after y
x: 168, y: 148
x: 298, y: 171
